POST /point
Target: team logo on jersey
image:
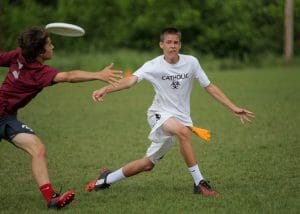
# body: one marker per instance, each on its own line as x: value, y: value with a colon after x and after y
x: 16, y: 73
x: 175, y: 84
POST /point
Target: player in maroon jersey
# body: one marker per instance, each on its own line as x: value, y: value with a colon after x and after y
x: 26, y: 77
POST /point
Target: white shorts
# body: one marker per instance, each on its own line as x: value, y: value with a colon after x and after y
x: 162, y: 142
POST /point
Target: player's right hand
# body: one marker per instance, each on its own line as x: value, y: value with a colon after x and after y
x: 110, y: 76
x: 99, y: 95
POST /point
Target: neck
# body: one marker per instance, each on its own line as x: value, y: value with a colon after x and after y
x: 40, y: 59
x: 172, y: 60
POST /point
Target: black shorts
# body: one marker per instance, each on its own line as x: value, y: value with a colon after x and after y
x: 10, y: 127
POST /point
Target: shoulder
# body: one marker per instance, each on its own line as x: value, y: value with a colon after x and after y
x: 153, y: 63
x: 188, y: 58
x: 16, y: 53
x: 156, y: 60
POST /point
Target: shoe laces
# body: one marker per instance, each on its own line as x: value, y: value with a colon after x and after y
x: 205, y: 184
x: 57, y: 194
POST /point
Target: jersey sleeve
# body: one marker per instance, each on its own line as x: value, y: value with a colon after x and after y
x: 7, y: 57
x: 200, y: 74
x: 45, y: 78
x: 141, y: 73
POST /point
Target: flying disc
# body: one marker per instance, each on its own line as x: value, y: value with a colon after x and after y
x: 65, y: 29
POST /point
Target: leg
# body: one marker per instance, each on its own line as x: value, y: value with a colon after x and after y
x: 107, y: 177
x: 201, y: 186
x: 137, y: 166
x: 183, y: 134
x: 33, y: 145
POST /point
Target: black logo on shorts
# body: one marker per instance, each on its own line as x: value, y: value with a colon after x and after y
x: 27, y: 127
x: 157, y: 116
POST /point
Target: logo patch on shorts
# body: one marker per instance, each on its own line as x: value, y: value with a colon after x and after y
x: 157, y: 116
x: 27, y: 127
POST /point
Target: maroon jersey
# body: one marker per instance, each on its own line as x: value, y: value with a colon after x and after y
x: 23, y: 81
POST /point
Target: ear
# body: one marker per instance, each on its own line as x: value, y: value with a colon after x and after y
x: 161, y: 45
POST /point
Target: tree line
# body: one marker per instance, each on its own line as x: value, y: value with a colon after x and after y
x: 229, y: 28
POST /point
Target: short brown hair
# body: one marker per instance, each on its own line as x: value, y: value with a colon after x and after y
x: 32, y: 41
x: 169, y: 30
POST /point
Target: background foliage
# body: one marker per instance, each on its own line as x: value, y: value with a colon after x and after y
x: 233, y: 28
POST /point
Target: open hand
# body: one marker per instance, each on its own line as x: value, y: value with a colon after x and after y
x: 244, y: 114
x: 109, y: 75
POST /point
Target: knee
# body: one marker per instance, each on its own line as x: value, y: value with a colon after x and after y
x: 148, y: 166
x: 39, y: 150
x: 184, y: 134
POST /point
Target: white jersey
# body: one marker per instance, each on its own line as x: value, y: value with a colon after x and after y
x: 172, y: 84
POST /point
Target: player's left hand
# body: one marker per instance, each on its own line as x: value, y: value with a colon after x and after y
x: 244, y: 115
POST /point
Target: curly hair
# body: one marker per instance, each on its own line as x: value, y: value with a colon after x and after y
x: 32, y: 42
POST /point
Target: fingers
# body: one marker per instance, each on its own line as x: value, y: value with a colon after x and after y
x: 116, y: 74
x: 110, y: 66
x: 244, y: 118
x: 113, y: 82
x: 98, y: 96
x: 249, y: 113
x: 245, y: 115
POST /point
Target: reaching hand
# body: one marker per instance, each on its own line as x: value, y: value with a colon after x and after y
x: 99, y: 95
x: 109, y: 75
x: 244, y: 114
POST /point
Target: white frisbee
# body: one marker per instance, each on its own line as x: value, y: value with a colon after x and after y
x: 65, y: 29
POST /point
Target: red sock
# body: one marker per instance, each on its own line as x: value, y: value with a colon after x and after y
x: 47, y: 191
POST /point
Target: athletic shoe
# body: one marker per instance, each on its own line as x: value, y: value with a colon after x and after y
x: 100, y: 182
x: 205, y: 189
x: 60, y: 201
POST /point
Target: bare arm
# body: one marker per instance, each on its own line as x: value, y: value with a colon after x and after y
x: 106, y: 75
x: 124, y: 83
x: 243, y: 114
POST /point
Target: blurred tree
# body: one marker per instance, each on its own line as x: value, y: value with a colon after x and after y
x: 18, y: 15
x: 231, y: 28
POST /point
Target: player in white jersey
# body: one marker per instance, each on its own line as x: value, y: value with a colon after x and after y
x: 172, y: 76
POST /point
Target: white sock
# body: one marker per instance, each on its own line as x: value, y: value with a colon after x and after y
x: 115, y: 176
x: 195, y: 171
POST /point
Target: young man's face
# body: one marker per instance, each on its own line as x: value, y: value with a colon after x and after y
x: 48, y: 50
x: 171, y: 46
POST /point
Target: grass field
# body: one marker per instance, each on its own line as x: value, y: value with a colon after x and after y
x: 255, y: 167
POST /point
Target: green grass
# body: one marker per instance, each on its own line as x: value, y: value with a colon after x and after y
x: 254, y: 166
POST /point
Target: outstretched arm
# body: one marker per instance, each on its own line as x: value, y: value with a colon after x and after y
x: 124, y: 83
x: 107, y: 75
x: 243, y: 114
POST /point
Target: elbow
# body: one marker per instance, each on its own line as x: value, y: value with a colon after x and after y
x: 209, y: 88
x: 63, y: 77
